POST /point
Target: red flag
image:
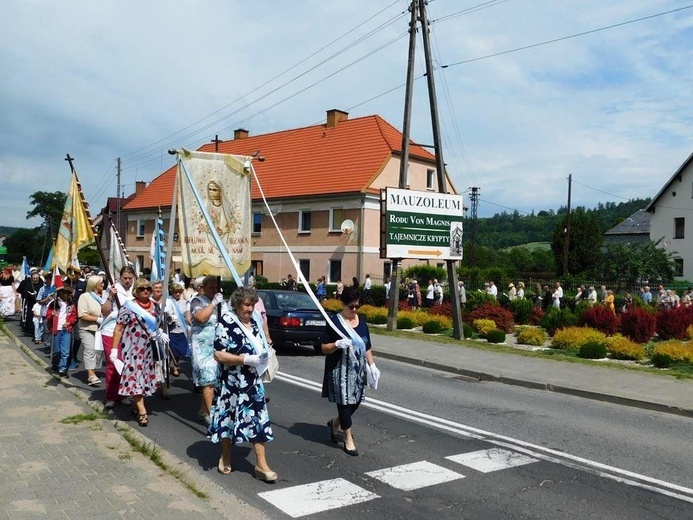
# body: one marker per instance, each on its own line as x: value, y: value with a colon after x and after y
x: 57, y: 280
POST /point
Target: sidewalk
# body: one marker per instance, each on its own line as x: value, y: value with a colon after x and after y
x: 626, y: 387
x: 88, y: 469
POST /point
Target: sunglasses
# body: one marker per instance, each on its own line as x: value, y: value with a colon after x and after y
x: 142, y: 289
x: 354, y: 306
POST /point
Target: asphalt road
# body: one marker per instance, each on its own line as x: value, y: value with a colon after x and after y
x: 432, y: 444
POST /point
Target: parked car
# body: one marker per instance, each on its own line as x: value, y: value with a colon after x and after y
x: 293, y: 318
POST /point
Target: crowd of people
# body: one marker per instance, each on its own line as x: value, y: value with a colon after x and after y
x: 141, y: 340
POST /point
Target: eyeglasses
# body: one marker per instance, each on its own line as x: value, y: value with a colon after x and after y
x: 142, y: 289
x: 354, y: 306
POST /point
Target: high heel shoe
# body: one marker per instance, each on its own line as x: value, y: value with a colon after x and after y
x: 353, y: 453
x: 265, y: 476
x: 222, y: 468
x: 333, y: 435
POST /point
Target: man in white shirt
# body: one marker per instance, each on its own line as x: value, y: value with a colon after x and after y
x: 492, y: 289
x: 557, y: 295
x: 367, y: 290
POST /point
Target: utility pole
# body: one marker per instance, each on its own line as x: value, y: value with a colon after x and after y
x: 118, y: 196
x: 403, y: 164
x: 440, y: 164
x: 566, y: 245
x: 474, y: 202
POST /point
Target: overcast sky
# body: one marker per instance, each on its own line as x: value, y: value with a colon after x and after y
x: 131, y: 79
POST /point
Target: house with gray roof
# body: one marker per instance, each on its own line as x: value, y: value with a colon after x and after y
x: 632, y: 230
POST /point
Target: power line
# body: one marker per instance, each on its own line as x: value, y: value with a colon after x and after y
x: 547, y: 42
x: 469, y: 10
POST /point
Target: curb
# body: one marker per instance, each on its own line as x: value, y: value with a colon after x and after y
x: 534, y: 385
x: 217, y: 497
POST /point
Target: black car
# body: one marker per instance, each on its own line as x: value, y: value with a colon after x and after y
x: 293, y: 318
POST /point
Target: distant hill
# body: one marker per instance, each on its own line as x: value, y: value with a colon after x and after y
x: 7, y: 230
x: 505, y: 229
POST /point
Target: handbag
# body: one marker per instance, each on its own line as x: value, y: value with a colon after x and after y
x: 272, y: 366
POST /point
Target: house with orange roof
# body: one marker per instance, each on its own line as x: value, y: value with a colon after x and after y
x: 314, y: 178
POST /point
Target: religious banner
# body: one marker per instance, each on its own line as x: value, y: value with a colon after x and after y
x: 214, y: 213
x: 75, y: 230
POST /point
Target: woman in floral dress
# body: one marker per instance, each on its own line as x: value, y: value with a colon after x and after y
x: 239, y: 412
x: 203, y: 312
x: 135, y: 330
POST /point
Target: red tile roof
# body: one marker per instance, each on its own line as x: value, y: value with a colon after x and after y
x: 313, y: 160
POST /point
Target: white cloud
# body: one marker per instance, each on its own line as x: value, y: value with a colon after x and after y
x: 106, y: 79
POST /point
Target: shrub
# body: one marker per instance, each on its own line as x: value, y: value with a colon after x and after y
x: 671, y: 352
x: 404, y: 322
x: 673, y: 324
x: 536, y: 316
x: 476, y: 299
x: 522, y: 310
x: 593, y: 350
x: 638, y: 324
x: 555, y: 319
x: 378, y: 318
x: 689, y: 332
x: 332, y: 305
x: 601, y: 318
x: 531, y: 336
x: 432, y: 327
x: 620, y: 347
x: 482, y: 326
x: 503, y: 318
x: 572, y: 338
x: 444, y: 309
x: 467, y: 331
x: 495, y: 336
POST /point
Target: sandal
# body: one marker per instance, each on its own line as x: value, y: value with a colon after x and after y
x: 142, y: 419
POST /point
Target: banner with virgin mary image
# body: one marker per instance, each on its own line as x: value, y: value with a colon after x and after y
x: 214, y: 213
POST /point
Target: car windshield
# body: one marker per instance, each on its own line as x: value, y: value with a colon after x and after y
x: 291, y: 301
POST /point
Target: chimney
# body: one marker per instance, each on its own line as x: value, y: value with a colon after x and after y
x: 240, y: 133
x: 334, y: 117
x: 140, y: 186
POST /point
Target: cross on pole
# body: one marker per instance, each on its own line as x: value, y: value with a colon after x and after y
x: 216, y: 142
x: 70, y: 159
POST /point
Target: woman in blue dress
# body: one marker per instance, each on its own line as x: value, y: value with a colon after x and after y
x: 239, y: 411
x: 344, y: 380
x: 203, y: 312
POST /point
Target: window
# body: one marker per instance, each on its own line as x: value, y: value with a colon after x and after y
x: 678, y: 266
x: 257, y: 268
x: 335, y: 271
x: 257, y: 223
x: 336, y: 219
x: 679, y: 227
x: 430, y: 175
x: 304, y: 221
x: 304, y: 265
x: 140, y: 262
x: 140, y: 228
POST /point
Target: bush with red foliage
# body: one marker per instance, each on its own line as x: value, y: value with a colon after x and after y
x: 638, y: 324
x: 503, y: 318
x: 672, y: 324
x: 536, y: 316
x: 444, y: 309
x: 601, y: 318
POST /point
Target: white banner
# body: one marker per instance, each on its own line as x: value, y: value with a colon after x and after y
x: 223, y: 186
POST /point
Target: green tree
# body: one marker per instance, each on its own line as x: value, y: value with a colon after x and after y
x: 89, y: 256
x: 27, y: 242
x: 49, y: 206
x: 633, y: 263
x: 584, y: 243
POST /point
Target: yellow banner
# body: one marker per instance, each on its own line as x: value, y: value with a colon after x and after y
x: 75, y: 231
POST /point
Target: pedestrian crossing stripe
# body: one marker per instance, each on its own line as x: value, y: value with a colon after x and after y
x: 307, y: 499
x: 409, y: 477
x: 494, y: 459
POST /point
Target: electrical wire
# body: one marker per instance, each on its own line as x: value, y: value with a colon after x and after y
x: 469, y: 10
x: 563, y: 38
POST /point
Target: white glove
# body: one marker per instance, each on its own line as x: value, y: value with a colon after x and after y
x: 373, y: 376
x: 99, y: 320
x: 218, y: 298
x: 162, y: 337
x: 343, y: 343
x: 113, y: 355
x: 251, y: 360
